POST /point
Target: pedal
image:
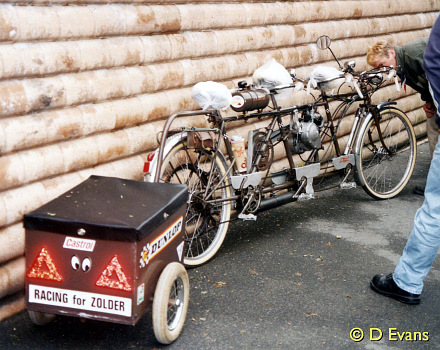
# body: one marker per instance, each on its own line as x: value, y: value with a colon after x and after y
x: 247, y: 217
x: 305, y: 197
x: 347, y: 185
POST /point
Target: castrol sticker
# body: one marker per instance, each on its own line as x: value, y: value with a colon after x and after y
x: 86, y: 245
x: 72, y: 299
x: 237, y: 101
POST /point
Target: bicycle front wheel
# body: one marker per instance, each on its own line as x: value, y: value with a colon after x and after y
x: 208, y: 213
x: 384, y: 174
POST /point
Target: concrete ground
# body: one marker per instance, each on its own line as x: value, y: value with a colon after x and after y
x: 297, y: 278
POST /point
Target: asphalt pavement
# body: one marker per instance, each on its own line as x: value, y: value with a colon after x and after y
x: 297, y: 278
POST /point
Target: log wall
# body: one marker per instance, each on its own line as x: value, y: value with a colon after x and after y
x: 86, y: 85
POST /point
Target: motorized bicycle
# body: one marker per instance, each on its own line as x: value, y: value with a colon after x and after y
x: 378, y: 154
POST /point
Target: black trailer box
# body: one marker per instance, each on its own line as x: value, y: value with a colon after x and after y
x: 97, y: 250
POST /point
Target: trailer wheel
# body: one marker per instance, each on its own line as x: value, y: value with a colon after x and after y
x: 170, y: 303
x: 40, y: 318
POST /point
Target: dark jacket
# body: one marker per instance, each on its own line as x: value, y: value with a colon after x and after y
x: 431, y: 64
x: 410, y: 61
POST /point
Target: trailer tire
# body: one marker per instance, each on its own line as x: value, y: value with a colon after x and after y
x: 170, y: 303
x: 40, y: 318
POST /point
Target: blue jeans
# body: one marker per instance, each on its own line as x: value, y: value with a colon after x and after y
x: 424, y: 241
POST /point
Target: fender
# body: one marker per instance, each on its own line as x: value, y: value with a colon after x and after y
x: 358, y: 178
x: 153, y: 157
x: 385, y: 104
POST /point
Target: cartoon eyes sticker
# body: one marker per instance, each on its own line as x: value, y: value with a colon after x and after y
x: 76, y: 263
x: 86, y: 264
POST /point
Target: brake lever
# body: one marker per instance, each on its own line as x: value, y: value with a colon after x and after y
x: 352, y: 82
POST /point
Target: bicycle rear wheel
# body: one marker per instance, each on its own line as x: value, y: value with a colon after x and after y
x: 381, y: 174
x: 207, y: 216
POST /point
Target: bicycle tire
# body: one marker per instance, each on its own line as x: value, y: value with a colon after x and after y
x: 381, y: 175
x: 206, y: 222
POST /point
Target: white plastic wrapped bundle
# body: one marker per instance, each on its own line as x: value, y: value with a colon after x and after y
x: 273, y: 74
x: 210, y: 94
x: 323, y: 73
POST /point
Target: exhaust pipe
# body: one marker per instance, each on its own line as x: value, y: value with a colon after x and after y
x: 276, y: 201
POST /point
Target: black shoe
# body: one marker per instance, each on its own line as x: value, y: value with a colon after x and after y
x: 420, y: 190
x: 385, y: 285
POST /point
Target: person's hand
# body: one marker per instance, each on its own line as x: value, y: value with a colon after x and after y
x: 429, y: 109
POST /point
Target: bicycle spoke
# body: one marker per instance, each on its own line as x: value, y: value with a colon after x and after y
x: 206, y: 219
x: 385, y: 174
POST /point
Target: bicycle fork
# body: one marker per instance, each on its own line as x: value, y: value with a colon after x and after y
x: 348, y: 159
x: 360, y: 113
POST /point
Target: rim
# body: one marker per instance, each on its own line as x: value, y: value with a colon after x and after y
x: 204, y: 220
x: 175, y: 303
x: 384, y: 174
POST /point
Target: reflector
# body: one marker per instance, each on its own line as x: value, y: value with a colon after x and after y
x: 146, y: 167
x: 150, y: 158
x: 114, y: 277
x: 44, y: 268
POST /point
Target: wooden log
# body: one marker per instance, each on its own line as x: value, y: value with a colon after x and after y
x: 138, y: 2
x: 12, y: 277
x: 28, y: 131
x: 20, y: 97
x: 32, y: 59
x: 26, y: 198
x: 27, y: 166
x: 12, y: 305
x: 12, y: 241
x: 26, y: 23
x: 16, y: 202
x: 167, y: 18
x: 9, y: 25
x: 36, y: 164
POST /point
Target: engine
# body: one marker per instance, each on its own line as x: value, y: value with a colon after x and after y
x: 305, y: 134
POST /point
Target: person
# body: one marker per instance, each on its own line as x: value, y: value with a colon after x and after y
x: 408, y: 61
x: 406, y: 283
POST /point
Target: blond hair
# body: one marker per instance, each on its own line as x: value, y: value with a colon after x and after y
x: 379, y: 49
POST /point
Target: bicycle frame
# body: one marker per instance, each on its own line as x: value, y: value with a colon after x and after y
x: 349, y: 99
x: 219, y: 192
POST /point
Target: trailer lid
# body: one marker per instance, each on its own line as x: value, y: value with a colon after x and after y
x: 109, y: 208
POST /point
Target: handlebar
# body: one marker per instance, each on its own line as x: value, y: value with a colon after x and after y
x: 390, y: 71
x: 364, y: 82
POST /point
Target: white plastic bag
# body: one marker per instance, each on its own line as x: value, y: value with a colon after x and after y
x: 323, y: 73
x: 210, y: 94
x: 273, y: 74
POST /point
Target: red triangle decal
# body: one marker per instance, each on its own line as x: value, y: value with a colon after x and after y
x: 44, y: 268
x: 114, y: 277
